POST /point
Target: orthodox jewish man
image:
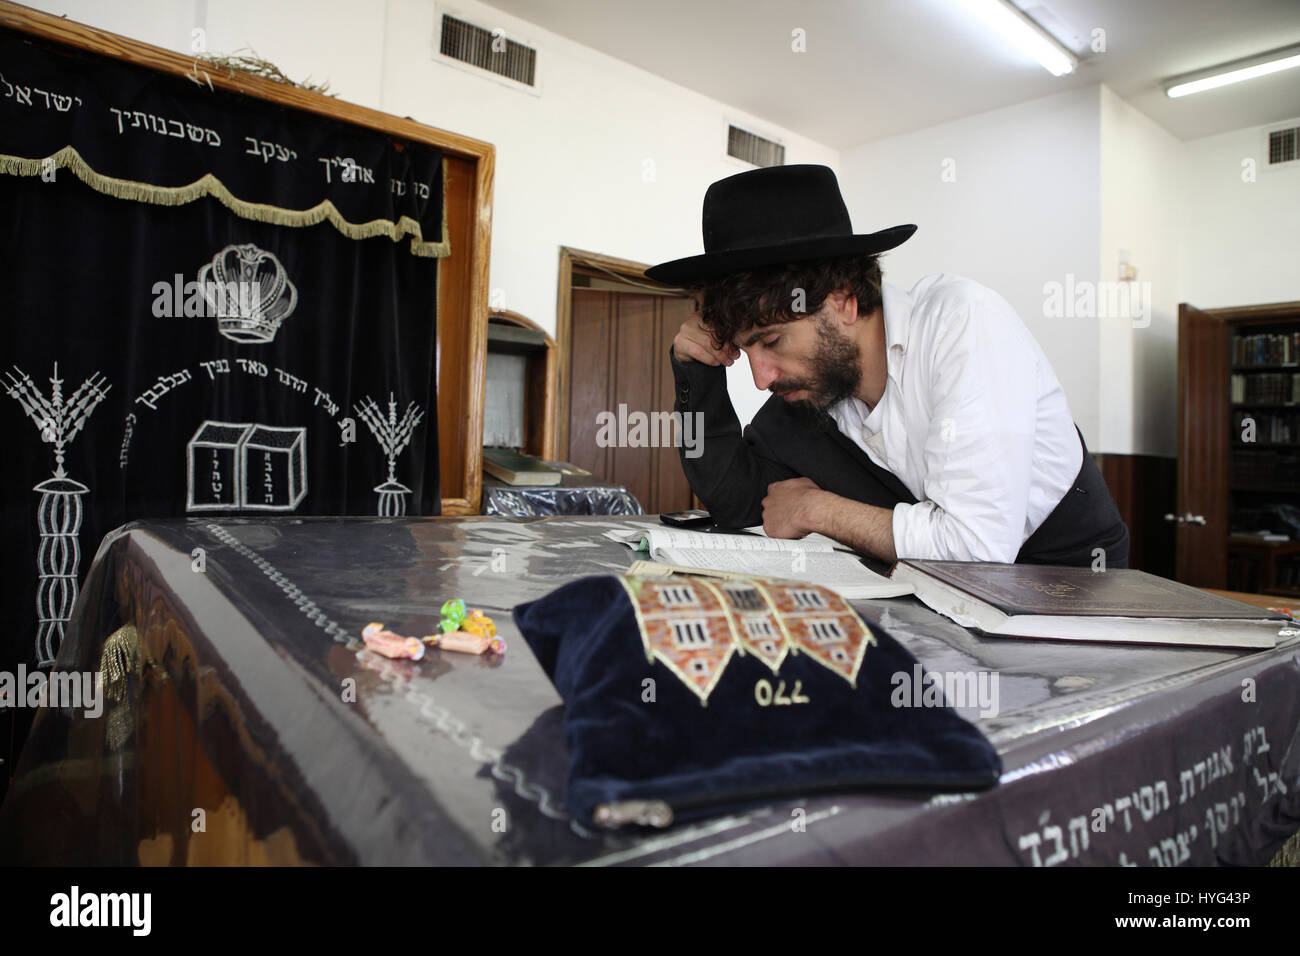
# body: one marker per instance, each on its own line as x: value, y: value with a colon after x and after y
x: 907, y: 424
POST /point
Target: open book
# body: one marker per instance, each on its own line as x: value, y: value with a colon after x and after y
x: 814, y: 559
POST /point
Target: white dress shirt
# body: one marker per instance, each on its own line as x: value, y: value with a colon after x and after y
x: 973, y: 421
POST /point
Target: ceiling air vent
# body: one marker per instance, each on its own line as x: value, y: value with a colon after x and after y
x: 473, y: 45
x: 754, y: 149
x: 1284, y: 146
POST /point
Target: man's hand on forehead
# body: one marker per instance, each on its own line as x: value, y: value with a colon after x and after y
x: 694, y: 343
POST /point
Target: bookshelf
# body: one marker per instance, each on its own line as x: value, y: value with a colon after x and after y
x: 1238, y: 468
x: 1264, y: 456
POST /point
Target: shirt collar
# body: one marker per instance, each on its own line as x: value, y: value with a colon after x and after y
x: 898, y: 316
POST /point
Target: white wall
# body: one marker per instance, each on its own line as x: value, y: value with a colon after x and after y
x: 571, y: 164
x: 1022, y: 211
x: 1142, y: 212
x: 1242, y: 243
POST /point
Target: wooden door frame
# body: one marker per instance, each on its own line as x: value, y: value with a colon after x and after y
x: 621, y: 268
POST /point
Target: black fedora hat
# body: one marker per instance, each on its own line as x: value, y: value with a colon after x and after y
x: 768, y: 216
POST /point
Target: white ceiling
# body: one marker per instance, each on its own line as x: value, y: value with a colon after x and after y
x: 878, y: 68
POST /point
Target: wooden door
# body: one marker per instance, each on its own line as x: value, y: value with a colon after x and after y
x: 619, y: 345
x: 1203, y: 393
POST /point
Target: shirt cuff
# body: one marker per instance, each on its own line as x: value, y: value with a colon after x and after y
x: 910, y: 540
x: 918, y: 534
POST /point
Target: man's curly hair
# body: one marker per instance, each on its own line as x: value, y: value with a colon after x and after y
x: 762, y: 297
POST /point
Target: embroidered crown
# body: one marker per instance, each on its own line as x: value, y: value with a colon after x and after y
x: 249, y: 293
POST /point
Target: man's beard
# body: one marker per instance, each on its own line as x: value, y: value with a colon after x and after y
x: 836, y: 375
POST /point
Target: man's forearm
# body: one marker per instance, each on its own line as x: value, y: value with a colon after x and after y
x: 863, y: 527
x: 724, y: 471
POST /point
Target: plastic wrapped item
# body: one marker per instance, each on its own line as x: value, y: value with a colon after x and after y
x: 535, y: 501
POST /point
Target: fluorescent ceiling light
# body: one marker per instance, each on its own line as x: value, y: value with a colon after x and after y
x: 1235, y: 72
x: 1009, y: 22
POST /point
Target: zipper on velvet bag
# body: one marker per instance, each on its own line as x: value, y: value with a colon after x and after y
x: 642, y: 813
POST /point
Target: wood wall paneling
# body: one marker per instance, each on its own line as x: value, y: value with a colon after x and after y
x: 674, y: 492
x: 619, y: 357
x: 635, y: 339
x: 590, y: 380
x: 1144, y: 488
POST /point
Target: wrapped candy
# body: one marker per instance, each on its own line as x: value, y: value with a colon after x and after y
x: 467, y: 643
x: 476, y: 622
x: 391, y: 645
x: 471, y: 632
x: 453, y: 612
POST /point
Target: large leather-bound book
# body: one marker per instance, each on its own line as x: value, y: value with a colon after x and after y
x: 1067, y: 603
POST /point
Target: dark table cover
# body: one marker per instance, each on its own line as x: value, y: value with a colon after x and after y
x: 248, y: 728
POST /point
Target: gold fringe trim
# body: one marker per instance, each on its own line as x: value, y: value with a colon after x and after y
x: 209, y: 185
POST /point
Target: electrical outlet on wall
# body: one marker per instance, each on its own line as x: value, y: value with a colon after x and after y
x: 1127, y: 271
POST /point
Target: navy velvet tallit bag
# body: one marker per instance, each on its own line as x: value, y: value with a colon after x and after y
x: 685, y: 697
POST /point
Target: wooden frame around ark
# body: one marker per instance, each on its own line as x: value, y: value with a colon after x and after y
x: 462, y: 276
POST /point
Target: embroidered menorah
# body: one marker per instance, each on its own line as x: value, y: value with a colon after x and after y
x: 59, y: 512
x: 393, y: 435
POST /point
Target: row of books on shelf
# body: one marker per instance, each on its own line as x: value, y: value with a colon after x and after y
x: 1245, y: 573
x: 1266, y: 348
x: 1273, y: 427
x: 1286, y: 573
x: 1266, y: 387
x: 1265, y: 467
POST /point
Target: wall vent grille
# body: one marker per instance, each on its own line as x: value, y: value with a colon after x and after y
x: 472, y: 44
x: 1284, y: 146
x: 754, y: 149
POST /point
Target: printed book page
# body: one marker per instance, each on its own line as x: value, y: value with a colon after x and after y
x: 839, y: 572
x: 810, y: 538
x: 654, y: 539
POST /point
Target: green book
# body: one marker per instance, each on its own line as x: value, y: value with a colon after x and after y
x: 517, y: 469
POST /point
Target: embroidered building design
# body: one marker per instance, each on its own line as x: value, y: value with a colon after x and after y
x: 823, y: 626
x: 693, y: 626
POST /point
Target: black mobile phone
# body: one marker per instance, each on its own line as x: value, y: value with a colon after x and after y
x: 693, y: 518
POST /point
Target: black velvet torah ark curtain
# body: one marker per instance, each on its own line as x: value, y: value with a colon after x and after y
x: 212, y: 306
